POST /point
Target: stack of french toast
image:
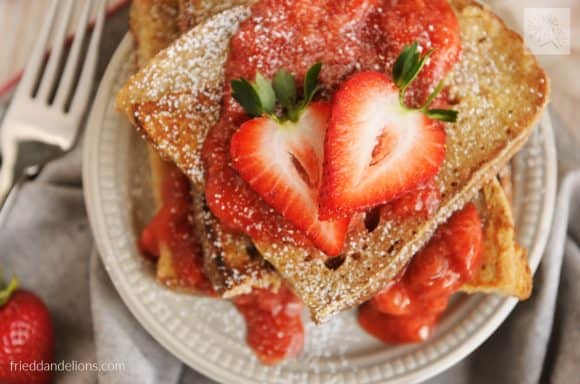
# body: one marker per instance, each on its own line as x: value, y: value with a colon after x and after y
x: 490, y: 92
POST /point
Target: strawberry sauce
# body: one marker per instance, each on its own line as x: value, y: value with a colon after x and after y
x: 274, y: 323
x: 172, y: 227
x: 408, y: 309
x: 421, y: 202
x: 347, y: 36
x: 274, y: 320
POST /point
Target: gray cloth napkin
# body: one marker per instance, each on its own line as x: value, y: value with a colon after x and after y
x: 47, y: 242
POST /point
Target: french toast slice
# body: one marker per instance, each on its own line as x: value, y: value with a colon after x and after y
x: 154, y: 26
x: 230, y: 261
x: 504, y: 268
x: 492, y: 127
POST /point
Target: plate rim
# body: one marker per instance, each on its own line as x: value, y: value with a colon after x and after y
x: 163, y: 337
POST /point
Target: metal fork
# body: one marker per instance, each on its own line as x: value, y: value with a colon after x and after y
x: 38, y: 128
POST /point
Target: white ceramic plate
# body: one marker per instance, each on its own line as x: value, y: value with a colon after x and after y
x: 208, y: 335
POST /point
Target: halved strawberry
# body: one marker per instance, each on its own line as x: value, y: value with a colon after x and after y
x: 376, y: 148
x: 282, y: 162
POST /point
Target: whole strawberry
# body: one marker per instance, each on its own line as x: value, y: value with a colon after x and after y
x: 26, y: 337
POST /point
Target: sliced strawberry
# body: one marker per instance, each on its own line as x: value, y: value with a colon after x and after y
x: 283, y: 164
x: 375, y: 150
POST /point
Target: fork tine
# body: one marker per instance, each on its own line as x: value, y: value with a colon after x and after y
x: 49, y: 75
x: 73, y: 58
x: 83, y: 89
x: 35, y: 62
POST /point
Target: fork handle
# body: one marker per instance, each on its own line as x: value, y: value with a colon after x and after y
x: 7, y: 199
x: 9, y: 183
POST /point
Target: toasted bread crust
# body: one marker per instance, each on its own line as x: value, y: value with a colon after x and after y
x: 153, y: 24
x: 231, y: 261
x: 505, y: 268
x: 175, y: 99
x: 194, y: 12
x: 492, y: 127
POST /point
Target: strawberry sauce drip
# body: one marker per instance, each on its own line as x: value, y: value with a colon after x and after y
x: 347, y: 36
x: 408, y: 309
x: 172, y: 227
x: 274, y: 323
x: 274, y: 320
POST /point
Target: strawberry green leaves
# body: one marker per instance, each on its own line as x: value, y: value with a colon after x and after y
x: 408, y: 65
x: 265, y: 93
x: 6, y: 290
x: 278, y: 98
x: 246, y: 94
x: 260, y: 98
x: 311, y: 86
x: 406, y: 69
x: 285, y: 88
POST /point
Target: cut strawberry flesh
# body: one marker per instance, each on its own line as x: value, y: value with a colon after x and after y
x: 375, y: 150
x: 283, y: 164
x: 232, y: 200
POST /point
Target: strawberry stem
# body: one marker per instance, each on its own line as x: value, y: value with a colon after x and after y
x: 7, y: 290
x: 293, y: 114
x: 405, y: 71
x: 432, y: 97
x: 261, y: 97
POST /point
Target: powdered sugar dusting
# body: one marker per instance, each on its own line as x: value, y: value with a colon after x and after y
x: 194, y: 12
x: 175, y: 99
x: 194, y: 63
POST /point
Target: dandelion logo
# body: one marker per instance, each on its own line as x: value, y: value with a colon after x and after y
x: 547, y: 30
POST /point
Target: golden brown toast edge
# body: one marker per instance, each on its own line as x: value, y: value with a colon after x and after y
x: 194, y: 12
x: 153, y: 24
x: 505, y: 269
